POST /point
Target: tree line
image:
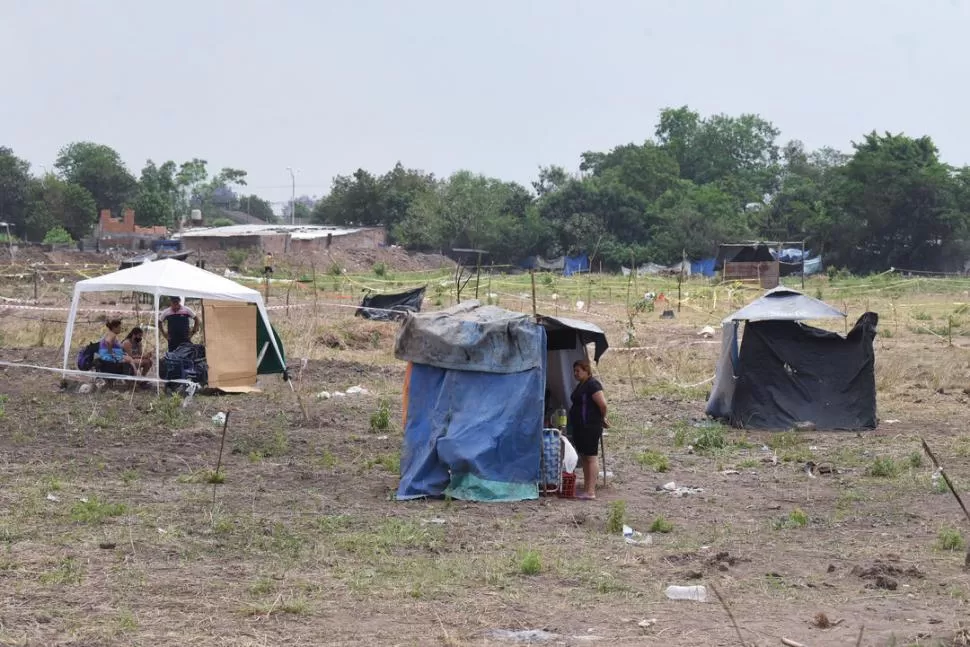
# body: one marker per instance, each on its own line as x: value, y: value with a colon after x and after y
x: 64, y: 202
x: 696, y: 182
x: 699, y: 181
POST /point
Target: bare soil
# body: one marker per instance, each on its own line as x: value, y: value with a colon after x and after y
x: 112, y: 534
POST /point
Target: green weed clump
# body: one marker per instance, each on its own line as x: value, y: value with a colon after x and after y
x: 883, y: 467
x: 530, y: 564
x: 661, y: 525
x: 616, y: 517
x: 657, y: 461
x: 950, y: 539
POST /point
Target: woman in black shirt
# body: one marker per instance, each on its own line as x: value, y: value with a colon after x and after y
x: 587, y: 419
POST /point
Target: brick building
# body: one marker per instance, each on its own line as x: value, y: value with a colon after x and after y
x: 123, y: 232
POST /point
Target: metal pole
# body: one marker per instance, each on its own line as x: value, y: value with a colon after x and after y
x: 293, y: 196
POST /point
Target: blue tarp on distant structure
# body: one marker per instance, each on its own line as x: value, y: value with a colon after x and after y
x: 575, y: 264
x: 704, y: 267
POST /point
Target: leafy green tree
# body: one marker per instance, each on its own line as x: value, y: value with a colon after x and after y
x: 369, y: 200
x: 694, y: 219
x: 157, y: 195
x: 473, y: 212
x: 737, y: 153
x: 100, y: 170
x: 647, y: 169
x: 52, y: 202
x: 14, y: 181
x: 899, y: 205
x: 257, y: 207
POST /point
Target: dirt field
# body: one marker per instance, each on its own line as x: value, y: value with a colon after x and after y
x: 112, y: 534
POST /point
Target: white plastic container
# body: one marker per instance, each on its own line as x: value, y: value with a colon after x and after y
x: 696, y: 593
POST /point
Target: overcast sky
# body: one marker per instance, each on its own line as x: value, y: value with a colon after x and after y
x: 498, y: 87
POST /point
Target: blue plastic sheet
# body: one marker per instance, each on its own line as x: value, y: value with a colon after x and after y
x: 704, y: 267
x: 473, y: 435
x: 575, y: 264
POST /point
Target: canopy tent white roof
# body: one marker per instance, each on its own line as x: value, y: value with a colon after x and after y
x: 167, y: 277
x: 785, y: 304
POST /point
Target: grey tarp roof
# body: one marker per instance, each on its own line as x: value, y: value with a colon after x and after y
x: 785, y: 304
x: 472, y: 337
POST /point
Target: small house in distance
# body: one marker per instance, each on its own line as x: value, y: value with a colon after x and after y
x: 282, y: 239
x: 748, y: 262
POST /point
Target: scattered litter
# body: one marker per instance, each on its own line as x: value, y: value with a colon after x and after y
x: 219, y: 418
x: 436, y: 521
x: 809, y: 469
x: 730, y: 472
x: 85, y: 388
x: 525, y: 636
x: 646, y: 624
x: 706, y: 332
x: 381, y: 438
x: 636, y: 538
x: 83, y: 499
x: 339, y: 394
x: 697, y: 593
x: 579, y: 305
x: 162, y: 531
x: 805, y: 425
x: 51, y: 497
x: 323, y: 395
x: 683, y: 490
x: 690, y: 449
x: 357, y: 390
x: 890, y: 422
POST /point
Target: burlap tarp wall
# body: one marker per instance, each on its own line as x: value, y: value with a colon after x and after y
x: 230, y: 342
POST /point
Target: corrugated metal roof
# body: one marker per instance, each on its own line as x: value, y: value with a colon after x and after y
x: 296, y: 232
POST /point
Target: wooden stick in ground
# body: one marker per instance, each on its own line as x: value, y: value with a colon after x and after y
x: 862, y: 629
x: 791, y: 643
x: 956, y: 495
x: 222, y: 445
x: 535, y: 311
x: 730, y: 615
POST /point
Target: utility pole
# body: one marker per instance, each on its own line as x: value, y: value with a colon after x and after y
x: 293, y: 197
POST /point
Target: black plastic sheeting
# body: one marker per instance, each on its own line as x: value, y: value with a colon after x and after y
x: 390, y: 307
x: 790, y: 373
x: 754, y: 253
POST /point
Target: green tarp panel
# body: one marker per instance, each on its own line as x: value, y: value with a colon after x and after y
x: 271, y: 363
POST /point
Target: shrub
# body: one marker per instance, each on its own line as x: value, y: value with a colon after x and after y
x: 616, y: 517
x: 661, y: 525
x: 58, y: 236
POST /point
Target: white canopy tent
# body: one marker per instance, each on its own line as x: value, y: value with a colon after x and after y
x: 168, y: 277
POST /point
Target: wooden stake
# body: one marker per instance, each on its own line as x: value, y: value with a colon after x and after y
x: 535, y: 310
x: 946, y: 479
x: 222, y: 445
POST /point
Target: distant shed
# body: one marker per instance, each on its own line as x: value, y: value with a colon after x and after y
x: 748, y: 262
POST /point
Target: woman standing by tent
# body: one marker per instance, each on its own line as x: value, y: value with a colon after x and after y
x: 587, y: 419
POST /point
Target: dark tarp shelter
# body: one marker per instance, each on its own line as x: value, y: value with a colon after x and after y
x: 390, y: 307
x: 787, y: 372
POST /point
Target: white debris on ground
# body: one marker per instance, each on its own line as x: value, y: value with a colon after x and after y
x: 683, y: 490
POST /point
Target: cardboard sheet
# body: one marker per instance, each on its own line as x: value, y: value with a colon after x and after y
x: 230, y: 344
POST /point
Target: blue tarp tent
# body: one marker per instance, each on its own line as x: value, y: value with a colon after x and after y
x: 473, y: 404
x: 575, y: 264
x: 474, y: 398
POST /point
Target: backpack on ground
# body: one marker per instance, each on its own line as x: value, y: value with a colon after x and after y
x: 85, y: 357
